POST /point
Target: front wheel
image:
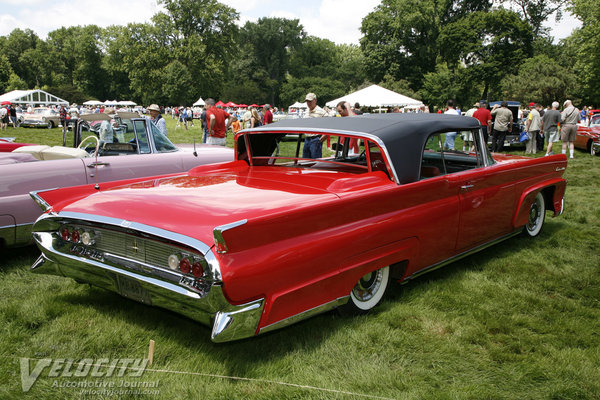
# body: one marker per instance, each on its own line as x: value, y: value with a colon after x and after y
x: 537, y: 213
x: 368, y: 292
x: 591, y: 148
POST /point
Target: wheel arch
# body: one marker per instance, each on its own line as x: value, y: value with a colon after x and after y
x: 397, y: 255
x: 552, y: 191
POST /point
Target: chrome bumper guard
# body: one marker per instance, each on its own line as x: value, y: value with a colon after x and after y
x: 200, y: 300
x: 596, y: 146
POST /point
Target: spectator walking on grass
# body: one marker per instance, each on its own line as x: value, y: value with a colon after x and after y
x: 549, y: 126
x: 570, y: 117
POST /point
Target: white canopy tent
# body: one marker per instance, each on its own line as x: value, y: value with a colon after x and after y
x: 92, y: 103
x: 33, y: 97
x: 377, y: 96
x: 298, y: 105
x: 199, y: 102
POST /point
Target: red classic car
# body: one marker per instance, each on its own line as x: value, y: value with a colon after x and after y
x: 7, y: 145
x: 271, y: 238
x: 136, y: 148
x: 588, y: 137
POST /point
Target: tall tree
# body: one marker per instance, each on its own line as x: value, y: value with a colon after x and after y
x: 536, y: 12
x: 272, y: 40
x: 583, y: 49
x: 16, y: 44
x: 490, y: 45
x: 542, y: 80
x: 400, y: 36
x: 5, y: 72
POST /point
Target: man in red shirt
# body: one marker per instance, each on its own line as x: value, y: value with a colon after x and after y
x: 484, y: 116
x: 267, y: 115
x: 215, y: 119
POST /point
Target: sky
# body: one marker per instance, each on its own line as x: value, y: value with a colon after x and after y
x: 336, y: 20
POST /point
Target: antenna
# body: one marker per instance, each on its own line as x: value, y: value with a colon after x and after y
x: 195, y: 152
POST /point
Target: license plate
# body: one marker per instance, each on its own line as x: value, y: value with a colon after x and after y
x: 132, y: 290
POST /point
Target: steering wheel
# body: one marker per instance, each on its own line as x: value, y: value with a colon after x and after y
x: 81, y: 146
x: 362, y: 156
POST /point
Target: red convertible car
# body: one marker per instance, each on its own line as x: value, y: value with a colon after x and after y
x: 588, y: 137
x: 135, y: 149
x: 271, y: 238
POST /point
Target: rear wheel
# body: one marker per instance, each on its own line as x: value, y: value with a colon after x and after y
x: 590, y: 148
x: 368, y: 292
x: 50, y: 124
x: 537, y: 213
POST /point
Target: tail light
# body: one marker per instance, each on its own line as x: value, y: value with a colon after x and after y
x: 197, y: 269
x: 185, y: 266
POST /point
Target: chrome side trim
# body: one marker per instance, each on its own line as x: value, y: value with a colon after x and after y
x: 220, y: 244
x: 238, y: 323
x: 459, y: 256
x: 41, y: 202
x: 305, y: 314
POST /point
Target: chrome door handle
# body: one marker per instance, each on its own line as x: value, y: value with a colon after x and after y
x: 466, y: 187
x: 96, y: 164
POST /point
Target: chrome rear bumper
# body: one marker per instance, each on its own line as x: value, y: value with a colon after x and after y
x: 202, y: 301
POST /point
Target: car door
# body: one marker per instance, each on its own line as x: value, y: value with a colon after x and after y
x: 486, y: 197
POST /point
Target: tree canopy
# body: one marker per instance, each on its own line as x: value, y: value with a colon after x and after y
x: 433, y: 50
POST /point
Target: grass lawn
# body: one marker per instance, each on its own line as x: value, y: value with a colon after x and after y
x: 519, y: 320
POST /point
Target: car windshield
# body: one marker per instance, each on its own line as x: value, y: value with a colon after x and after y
x: 339, y: 153
x: 162, y: 143
x: 595, y: 121
x: 122, y: 136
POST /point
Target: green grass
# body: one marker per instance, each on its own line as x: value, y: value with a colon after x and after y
x: 519, y: 320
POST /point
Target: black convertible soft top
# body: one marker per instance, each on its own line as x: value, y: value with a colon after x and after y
x: 403, y: 135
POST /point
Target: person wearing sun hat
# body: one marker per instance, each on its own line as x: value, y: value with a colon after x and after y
x: 157, y: 118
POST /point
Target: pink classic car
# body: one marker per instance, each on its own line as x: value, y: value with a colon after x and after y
x: 136, y: 149
x: 273, y: 237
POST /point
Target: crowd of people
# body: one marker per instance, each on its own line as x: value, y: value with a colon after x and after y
x: 539, y: 127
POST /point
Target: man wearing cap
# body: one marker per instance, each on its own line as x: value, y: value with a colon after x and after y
x: 313, y: 144
x: 314, y: 111
x: 568, y: 131
x: 157, y: 119
x: 502, y: 125
x: 532, y: 126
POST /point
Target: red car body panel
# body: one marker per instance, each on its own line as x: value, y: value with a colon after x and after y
x: 301, y: 238
x: 587, y: 136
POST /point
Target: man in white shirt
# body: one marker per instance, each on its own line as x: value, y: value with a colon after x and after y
x: 313, y: 144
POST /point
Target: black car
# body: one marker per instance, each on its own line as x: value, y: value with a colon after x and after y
x: 512, y: 138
